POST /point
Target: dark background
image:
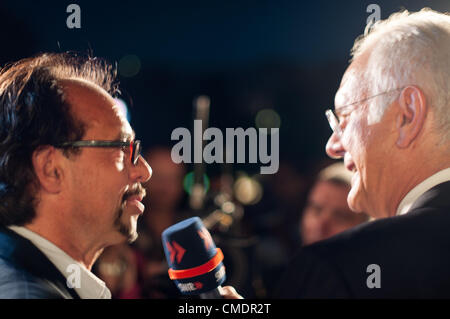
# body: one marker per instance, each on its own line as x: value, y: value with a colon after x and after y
x: 246, y: 55
x: 288, y: 56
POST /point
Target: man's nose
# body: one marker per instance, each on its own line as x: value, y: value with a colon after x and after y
x: 334, y: 148
x: 142, y: 172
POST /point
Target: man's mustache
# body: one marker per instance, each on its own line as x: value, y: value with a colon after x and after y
x: 135, y: 190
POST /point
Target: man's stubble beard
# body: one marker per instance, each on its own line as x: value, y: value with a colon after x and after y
x: 126, y: 230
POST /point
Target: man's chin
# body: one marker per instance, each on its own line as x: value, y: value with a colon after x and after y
x: 129, y: 235
x: 132, y: 237
x: 128, y: 228
x: 354, y: 195
x: 353, y: 200
x: 354, y: 208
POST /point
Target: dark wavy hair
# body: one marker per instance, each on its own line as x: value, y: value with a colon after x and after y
x: 34, y: 113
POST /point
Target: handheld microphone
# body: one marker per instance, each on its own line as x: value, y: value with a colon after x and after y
x: 195, y: 264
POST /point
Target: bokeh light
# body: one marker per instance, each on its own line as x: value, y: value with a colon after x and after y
x: 129, y: 65
x: 267, y: 118
x: 248, y: 190
x: 188, y: 182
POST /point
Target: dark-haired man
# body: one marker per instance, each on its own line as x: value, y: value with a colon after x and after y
x: 70, y: 176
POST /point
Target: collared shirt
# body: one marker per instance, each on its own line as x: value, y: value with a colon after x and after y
x: 88, y: 286
x: 420, y: 189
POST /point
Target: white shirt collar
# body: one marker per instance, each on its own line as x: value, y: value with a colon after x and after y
x: 89, y: 286
x: 416, y: 192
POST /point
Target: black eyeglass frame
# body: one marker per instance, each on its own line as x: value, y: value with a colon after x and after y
x: 135, y: 146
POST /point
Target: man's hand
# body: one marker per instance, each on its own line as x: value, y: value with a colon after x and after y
x: 228, y: 292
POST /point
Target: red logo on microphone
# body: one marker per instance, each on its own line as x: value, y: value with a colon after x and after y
x: 205, y: 235
x: 198, y: 285
x: 176, y: 251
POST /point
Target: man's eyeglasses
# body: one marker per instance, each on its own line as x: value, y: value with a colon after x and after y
x: 333, y: 121
x: 333, y: 118
x: 134, y: 147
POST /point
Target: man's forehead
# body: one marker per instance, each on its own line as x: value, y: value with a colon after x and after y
x: 84, y: 95
x: 351, y: 88
x: 96, y: 108
x: 126, y: 132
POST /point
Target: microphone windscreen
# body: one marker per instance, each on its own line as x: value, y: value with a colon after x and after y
x: 195, y: 263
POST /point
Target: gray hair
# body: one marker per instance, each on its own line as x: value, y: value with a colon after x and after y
x: 409, y: 49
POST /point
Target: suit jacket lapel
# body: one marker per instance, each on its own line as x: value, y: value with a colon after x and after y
x: 22, y: 252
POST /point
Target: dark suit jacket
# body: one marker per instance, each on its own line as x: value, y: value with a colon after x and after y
x: 25, y: 272
x: 412, y: 251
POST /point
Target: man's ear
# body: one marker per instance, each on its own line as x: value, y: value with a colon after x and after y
x: 47, y: 169
x: 411, y: 117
